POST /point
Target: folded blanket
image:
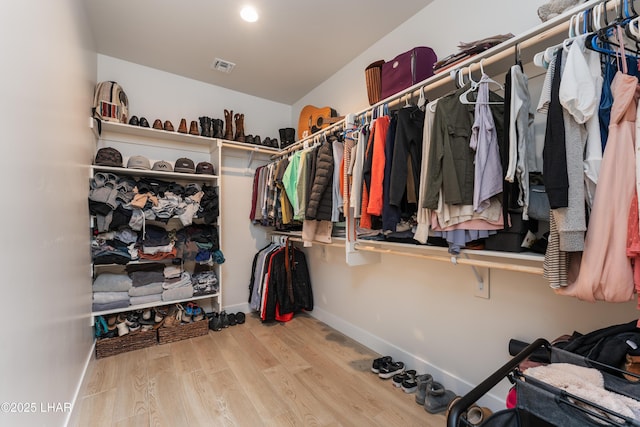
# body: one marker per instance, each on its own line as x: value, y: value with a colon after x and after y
x: 184, y: 292
x: 105, y: 297
x: 141, y: 278
x: 587, y: 383
x: 150, y: 289
x: 110, y: 282
x: 146, y: 299
x: 183, y: 281
x: 110, y: 305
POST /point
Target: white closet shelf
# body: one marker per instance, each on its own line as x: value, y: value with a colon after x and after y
x: 152, y: 304
x: 159, y: 174
x: 157, y: 134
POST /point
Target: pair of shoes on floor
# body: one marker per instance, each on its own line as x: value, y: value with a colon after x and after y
x: 406, y: 380
x: 437, y: 398
x: 386, y: 368
x: 219, y: 321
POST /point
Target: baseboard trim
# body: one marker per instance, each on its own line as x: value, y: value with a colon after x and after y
x: 243, y: 307
x: 383, y: 347
x: 80, y: 385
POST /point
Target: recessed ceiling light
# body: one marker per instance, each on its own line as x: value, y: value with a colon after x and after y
x: 249, y: 14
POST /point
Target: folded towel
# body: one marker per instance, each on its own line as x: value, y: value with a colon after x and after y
x: 183, y: 281
x: 110, y: 305
x: 146, y: 299
x: 150, y: 289
x: 110, y: 282
x: 105, y: 297
x: 184, y: 292
x: 141, y: 278
x: 172, y: 271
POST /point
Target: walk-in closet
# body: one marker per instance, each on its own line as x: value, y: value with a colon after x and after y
x: 254, y: 230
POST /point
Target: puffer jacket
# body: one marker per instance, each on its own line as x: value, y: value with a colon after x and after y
x: 320, y: 201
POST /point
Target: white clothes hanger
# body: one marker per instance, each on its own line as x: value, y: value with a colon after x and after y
x: 484, y: 79
x: 422, y: 101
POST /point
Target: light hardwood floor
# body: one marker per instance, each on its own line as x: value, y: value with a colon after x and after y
x: 297, y: 373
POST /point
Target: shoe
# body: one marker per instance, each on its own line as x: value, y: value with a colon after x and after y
x: 193, y: 129
x: 410, y: 384
x: 123, y: 329
x: 217, y: 128
x: 476, y: 415
x: 198, y: 313
x: 168, y: 126
x: 398, y: 379
x: 215, y: 323
x: 423, y: 382
x: 232, y: 319
x: 111, y: 322
x: 157, y: 124
x: 205, y: 126
x: 377, y: 363
x: 183, y: 126
x: 257, y: 140
x: 144, y: 122
x: 390, y: 369
x: 438, y: 398
x: 240, y: 317
x: 101, y: 327
x: 224, y: 319
x: 239, y: 120
x: 228, y: 125
x: 133, y: 121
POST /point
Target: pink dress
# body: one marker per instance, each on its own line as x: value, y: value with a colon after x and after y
x: 605, y: 270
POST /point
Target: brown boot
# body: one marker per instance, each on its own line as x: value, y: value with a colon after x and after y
x: 193, y: 130
x: 228, y: 125
x: 183, y: 126
x: 239, y: 118
x: 168, y: 126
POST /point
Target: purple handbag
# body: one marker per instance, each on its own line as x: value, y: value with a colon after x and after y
x: 407, y: 69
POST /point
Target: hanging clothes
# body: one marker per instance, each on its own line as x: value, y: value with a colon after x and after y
x: 605, y: 271
x: 484, y: 141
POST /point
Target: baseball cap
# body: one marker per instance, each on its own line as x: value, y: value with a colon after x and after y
x: 138, y: 162
x: 108, y: 156
x: 185, y: 165
x: 205, y: 168
x: 163, y: 166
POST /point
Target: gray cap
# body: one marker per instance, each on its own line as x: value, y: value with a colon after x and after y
x: 138, y: 162
x: 163, y: 166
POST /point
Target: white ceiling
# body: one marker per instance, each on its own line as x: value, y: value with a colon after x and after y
x: 294, y: 46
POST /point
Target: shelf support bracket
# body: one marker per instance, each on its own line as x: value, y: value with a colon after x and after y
x: 482, y: 286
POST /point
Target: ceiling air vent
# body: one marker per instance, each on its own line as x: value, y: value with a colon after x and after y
x: 222, y: 65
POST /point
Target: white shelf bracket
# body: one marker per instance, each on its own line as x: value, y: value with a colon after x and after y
x: 483, y: 280
x: 252, y: 153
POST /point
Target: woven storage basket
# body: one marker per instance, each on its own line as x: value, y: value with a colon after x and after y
x: 129, y: 342
x: 373, y: 79
x: 183, y: 331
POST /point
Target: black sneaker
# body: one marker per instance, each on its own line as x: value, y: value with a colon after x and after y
x: 410, y: 384
x: 232, y: 319
x: 390, y: 369
x: 224, y: 319
x: 240, y: 317
x: 377, y: 363
x: 215, y: 323
x: 399, y: 379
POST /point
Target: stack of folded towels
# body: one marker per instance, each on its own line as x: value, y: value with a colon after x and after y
x: 177, y: 284
x: 111, y: 291
x: 147, y: 280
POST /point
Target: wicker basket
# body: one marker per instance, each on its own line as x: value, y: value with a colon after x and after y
x: 183, y: 331
x: 129, y: 342
x: 373, y: 80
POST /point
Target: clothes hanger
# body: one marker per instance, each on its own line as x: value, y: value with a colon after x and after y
x: 483, y: 79
x: 422, y: 101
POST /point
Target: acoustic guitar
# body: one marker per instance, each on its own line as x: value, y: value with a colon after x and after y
x: 312, y: 119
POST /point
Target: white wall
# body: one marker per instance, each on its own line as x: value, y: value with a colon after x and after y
x: 441, y: 25
x: 48, y: 75
x: 424, y: 312
x: 157, y: 94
